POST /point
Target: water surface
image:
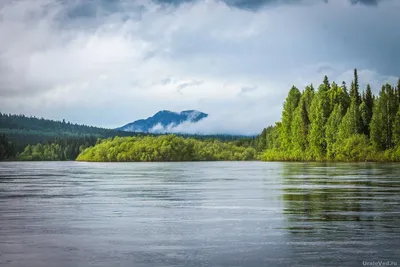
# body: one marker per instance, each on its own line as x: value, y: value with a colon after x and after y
x: 198, y: 214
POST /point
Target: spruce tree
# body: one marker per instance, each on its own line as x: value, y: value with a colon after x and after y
x: 326, y: 83
x: 357, y: 87
x: 354, y: 89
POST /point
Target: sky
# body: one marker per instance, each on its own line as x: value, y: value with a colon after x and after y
x: 108, y: 63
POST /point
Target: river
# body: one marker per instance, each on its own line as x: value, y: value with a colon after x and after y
x: 198, y: 214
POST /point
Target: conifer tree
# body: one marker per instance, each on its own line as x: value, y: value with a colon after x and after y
x: 357, y: 87
x: 326, y: 83
x: 354, y: 89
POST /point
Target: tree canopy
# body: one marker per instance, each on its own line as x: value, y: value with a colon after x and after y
x: 164, y: 148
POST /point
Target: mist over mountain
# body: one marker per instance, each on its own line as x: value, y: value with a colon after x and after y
x: 164, y: 120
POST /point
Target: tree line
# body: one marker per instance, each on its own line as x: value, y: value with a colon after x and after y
x: 337, y: 124
x: 165, y: 148
x: 61, y: 149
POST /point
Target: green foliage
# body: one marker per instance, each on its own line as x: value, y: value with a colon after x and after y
x: 289, y: 107
x: 351, y: 123
x: 396, y: 129
x: 366, y: 110
x: 383, y: 118
x: 301, y: 121
x: 273, y: 136
x: 62, y: 149
x: 339, y: 126
x: 319, y: 113
x: 346, y: 99
x: 354, y: 148
x: 331, y: 129
x: 398, y: 90
x: 164, y: 148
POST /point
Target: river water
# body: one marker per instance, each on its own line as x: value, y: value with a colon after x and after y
x: 198, y: 214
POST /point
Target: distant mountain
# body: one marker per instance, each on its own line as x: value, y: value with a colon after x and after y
x: 162, y: 120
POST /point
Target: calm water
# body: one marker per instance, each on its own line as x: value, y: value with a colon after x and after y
x: 198, y: 214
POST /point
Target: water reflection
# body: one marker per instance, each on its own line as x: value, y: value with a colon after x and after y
x: 342, y: 192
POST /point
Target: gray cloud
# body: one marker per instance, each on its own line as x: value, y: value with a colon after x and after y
x: 246, y: 89
x: 88, y: 7
x: 74, y: 59
x: 185, y: 85
x: 365, y: 2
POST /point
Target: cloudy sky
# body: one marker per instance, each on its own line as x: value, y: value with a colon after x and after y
x: 107, y: 63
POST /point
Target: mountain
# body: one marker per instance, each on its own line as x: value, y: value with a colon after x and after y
x: 162, y: 120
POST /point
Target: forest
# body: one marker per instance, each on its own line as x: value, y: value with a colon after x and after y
x: 333, y: 123
x: 31, y: 138
x: 165, y: 148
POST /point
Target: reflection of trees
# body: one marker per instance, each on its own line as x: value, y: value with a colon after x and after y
x: 315, y: 193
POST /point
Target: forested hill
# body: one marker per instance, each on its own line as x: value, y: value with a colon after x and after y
x: 23, y: 130
x: 22, y: 122
x: 336, y: 124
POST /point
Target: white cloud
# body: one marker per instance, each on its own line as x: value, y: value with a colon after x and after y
x: 117, y: 67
